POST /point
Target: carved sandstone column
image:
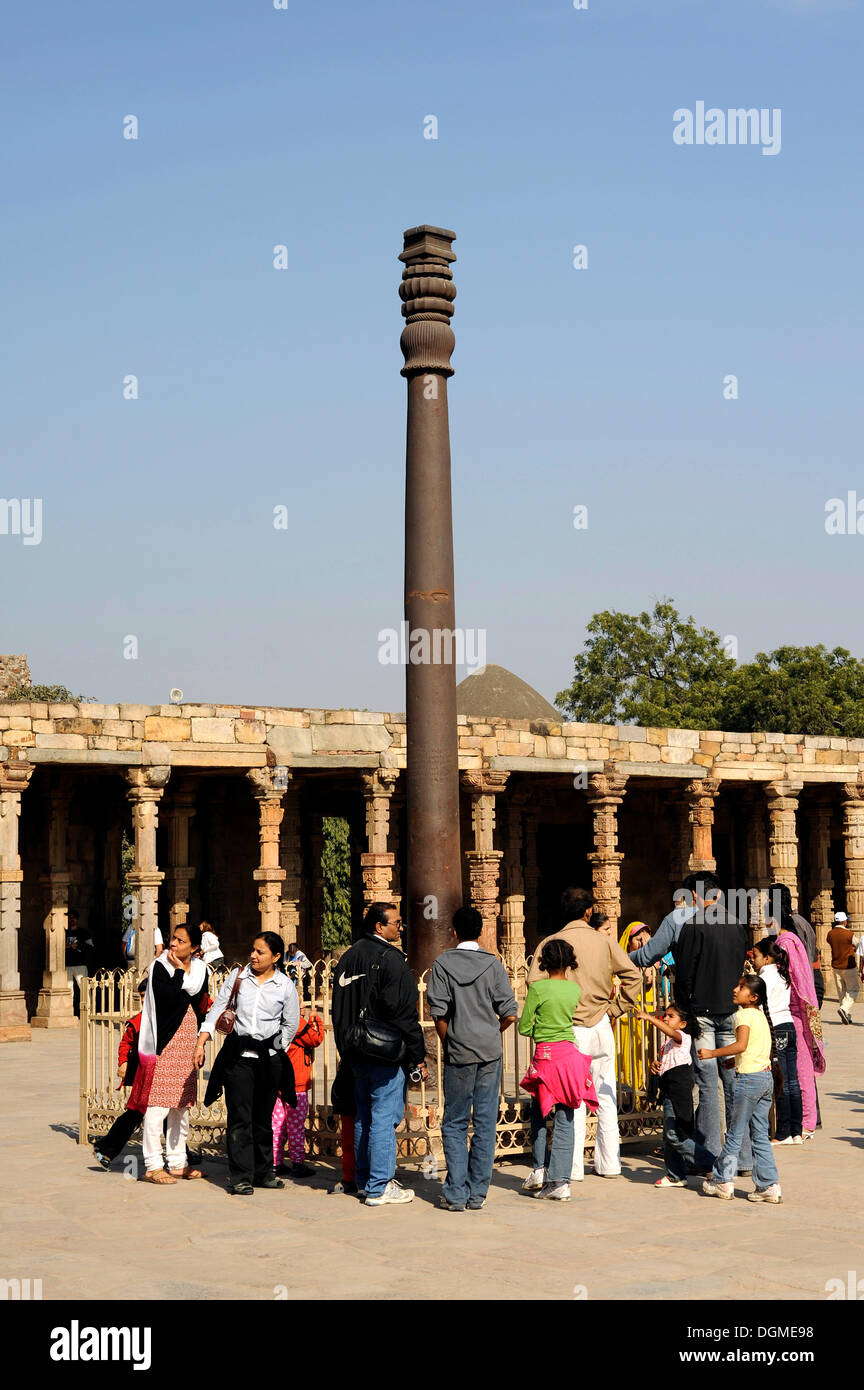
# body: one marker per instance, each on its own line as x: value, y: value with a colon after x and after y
x: 179, y: 874
x: 484, y: 858
x: 14, y: 779
x: 782, y: 834
x: 853, y: 845
x: 378, y: 860
x: 55, y: 1005
x: 680, y: 839
x: 269, y: 875
x: 820, y: 884
x: 756, y: 861
x: 146, y: 786
x: 700, y: 797
x: 432, y: 772
x: 396, y: 806
x: 605, y: 794
x: 513, y: 907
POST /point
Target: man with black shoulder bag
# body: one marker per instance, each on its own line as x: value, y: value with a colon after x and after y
x: 378, y: 1033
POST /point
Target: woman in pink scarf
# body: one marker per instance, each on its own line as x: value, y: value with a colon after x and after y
x: 808, y: 1026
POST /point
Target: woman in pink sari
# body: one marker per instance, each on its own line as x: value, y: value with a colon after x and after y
x: 808, y: 1026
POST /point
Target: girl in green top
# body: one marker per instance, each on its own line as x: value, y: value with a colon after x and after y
x: 548, y: 1019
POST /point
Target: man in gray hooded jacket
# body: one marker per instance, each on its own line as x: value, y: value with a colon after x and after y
x: 472, y: 1002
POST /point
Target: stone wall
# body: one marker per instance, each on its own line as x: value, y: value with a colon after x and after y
x: 14, y: 672
x: 235, y: 736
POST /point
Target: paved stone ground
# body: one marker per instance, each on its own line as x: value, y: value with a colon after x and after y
x: 92, y: 1235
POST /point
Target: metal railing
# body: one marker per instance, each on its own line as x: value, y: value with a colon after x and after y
x: 110, y: 999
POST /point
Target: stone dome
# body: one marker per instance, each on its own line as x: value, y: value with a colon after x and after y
x: 495, y: 692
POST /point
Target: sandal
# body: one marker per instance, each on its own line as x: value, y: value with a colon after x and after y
x: 188, y: 1173
x: 159, y: 1176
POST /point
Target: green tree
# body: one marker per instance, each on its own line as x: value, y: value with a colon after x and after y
x: 336, y: 872
x: 797, y: 690
x: 656, y: 669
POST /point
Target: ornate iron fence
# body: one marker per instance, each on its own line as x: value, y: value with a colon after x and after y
x: 110, y: 999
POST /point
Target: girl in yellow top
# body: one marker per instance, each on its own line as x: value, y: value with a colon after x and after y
x: 753, y: 1051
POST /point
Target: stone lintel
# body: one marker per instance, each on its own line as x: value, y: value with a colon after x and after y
x: 251, y: 755
x: 570, y: 765
x: 87, y: 757
x: 336, y: 760
x: 658, y: 771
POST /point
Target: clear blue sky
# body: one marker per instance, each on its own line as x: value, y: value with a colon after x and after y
x: 261, y: 387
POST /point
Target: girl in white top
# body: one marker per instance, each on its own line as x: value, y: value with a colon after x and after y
x: 779, y: 992
x: 211, y: 951
x: 772, y: 962
x: 674, y: 1067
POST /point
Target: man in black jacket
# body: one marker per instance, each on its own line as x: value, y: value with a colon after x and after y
x: 709, y: 959
x: 374, y: 975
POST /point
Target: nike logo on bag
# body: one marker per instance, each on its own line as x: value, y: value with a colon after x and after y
x: 349, y: 979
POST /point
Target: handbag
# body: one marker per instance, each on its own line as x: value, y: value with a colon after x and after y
x: 371, y: 1039
x: 228, y: 1017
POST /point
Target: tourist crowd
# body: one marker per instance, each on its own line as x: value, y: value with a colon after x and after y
x: 745, y: 1016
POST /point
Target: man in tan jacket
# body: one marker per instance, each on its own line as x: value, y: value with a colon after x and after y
x: 598, y: 959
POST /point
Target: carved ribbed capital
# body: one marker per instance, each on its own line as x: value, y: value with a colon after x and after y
x: 381, y: 782
x: 484, y: 782
x: 606, y: 786
x: 265, y: 784
x: 147, y: 783
x: 427, y: 293
x: 15, y: 775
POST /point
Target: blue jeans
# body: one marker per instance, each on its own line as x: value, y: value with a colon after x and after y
x: 751, y: 1109
x: 679, y: 1147
x: 470, y: 1086
x: 789, y: 1103
x: 716, y: 1030
x: 379, y: 1092
x: 560, y: 1163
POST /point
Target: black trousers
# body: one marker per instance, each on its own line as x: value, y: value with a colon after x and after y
x: 251, y: 1088
x: 118, y: 1136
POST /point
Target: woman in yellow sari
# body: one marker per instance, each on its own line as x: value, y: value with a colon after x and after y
x: 633, y: 1042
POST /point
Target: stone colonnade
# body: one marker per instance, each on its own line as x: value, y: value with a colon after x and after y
x: 501, y: 863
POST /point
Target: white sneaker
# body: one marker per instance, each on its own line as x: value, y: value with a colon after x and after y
x: 556, y: 1192
x: 768, y: 1194
x: 535, y: 1180
x: 778, y: 1143
x: 725, y: 1190
x: 393, y: 1193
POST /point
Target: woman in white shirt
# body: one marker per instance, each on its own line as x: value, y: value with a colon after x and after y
x: 253, y: 1065
x: 772, y: 962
